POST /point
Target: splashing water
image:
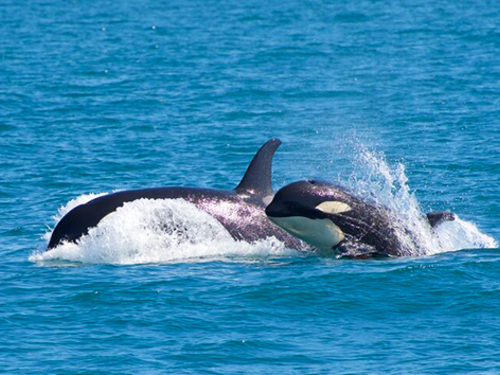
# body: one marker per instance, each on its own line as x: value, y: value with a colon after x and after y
x: 388, y: 186
x: 173, y: 230
x: 156, y: 231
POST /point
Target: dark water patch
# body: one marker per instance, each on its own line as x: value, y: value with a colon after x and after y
x: 252, y: 18
x: 15, y: 231
x: 239, y: 115
x: 421, y: 30
x: 351, y: 17
x: 246, y: 93
x: 297, y: 52
x: 323, y: 94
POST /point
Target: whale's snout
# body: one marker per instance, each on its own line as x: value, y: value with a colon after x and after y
x: 275, y: 209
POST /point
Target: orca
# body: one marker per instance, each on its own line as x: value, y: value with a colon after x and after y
x: 328, y: 217
x: 240, y: 211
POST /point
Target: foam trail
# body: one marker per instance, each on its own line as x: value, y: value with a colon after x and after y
x: 158, y: 231
x: 388, y: 185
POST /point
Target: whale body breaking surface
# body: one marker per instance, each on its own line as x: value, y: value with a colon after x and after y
x: 240, y: 211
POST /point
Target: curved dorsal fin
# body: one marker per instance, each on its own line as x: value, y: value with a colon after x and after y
x: 257, y: 179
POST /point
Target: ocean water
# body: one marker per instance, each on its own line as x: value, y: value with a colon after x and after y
x: 399, y: 101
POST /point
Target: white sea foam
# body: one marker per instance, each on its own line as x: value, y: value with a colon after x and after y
x: 388, y: 186
x: 157, y: 231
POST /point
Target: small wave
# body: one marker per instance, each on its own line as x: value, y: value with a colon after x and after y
x: 156, y: 231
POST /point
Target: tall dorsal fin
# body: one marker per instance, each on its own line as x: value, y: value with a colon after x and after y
x: 257, y: 179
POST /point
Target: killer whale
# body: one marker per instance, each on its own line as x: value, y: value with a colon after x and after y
x: 240, y: 211
x: 330, y: 217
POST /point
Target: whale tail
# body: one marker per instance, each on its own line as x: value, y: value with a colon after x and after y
x: 257, y: 179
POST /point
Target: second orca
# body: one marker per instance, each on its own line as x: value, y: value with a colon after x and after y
x: 329, y: 217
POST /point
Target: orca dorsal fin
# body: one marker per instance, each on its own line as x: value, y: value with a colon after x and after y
x: 257, y: 178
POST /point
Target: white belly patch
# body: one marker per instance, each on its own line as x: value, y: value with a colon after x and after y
x: 321, y: 233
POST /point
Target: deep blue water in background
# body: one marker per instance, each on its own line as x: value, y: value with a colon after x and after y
x: 103, y: 95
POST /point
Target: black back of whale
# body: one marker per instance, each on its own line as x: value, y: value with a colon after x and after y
x: 245, y: 221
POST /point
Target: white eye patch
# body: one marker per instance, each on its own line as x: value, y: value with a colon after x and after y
x: 333, y: 207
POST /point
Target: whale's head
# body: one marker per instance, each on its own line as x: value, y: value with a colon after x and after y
x: 319, y: 213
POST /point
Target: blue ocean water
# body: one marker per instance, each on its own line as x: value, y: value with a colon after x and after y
x: 398, y: 100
